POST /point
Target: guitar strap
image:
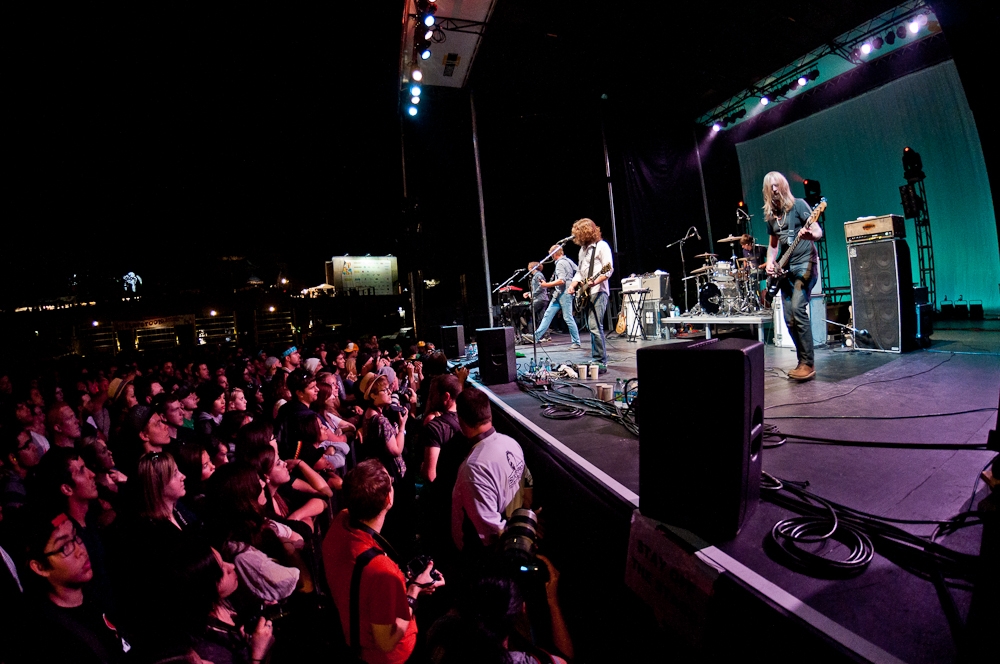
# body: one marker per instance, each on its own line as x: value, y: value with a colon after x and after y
x: 590, y: 273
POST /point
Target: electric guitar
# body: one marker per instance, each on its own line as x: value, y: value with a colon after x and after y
x: 581, y: 299
x: 622, y: 322
x: 775, y: 280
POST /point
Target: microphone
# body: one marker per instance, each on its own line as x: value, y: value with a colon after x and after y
x: 519, y: 270
x: 565, y: 240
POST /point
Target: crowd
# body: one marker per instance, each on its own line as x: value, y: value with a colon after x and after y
x: 263, y: 507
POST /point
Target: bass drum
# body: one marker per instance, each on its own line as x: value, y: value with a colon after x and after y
x: 714, y: 296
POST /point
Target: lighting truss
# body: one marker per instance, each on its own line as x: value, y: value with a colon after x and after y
x: 834, y: 58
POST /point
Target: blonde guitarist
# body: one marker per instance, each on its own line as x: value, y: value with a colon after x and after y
x: 595, y: 267
x: 787, y: 219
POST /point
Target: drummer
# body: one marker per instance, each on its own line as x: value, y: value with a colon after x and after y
x: 752, y: 251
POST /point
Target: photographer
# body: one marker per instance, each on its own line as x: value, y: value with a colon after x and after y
x: 385, y: 627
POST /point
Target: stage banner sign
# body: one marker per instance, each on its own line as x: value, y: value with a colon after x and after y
x: 664, y: 571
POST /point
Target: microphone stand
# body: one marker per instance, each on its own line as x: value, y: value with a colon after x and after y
x: 681, y: 242
x: 534, y: 324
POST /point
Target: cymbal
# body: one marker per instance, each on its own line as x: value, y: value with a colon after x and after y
x: 705, y: 256
x: 510, y: 288
x: 701, y: 270
x: 732, y: 238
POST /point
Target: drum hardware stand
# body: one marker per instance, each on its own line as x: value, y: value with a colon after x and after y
x: 691, y: 231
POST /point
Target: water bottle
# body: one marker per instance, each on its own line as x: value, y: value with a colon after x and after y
x: 548, y: 365
x: 619, y: 387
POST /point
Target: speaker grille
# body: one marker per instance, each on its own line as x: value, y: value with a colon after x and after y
x: 882, y: 294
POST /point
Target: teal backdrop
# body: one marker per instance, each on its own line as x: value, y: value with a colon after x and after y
x: 855, y: 150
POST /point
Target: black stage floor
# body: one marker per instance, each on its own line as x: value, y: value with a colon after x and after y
x: 886, y: 605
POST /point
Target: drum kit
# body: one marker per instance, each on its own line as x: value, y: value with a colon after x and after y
x: 727, y: 287
x: 512, y: 306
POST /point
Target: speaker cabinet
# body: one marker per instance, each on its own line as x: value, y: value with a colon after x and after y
x: 453, y: 341
x: 496, y: 355
x: 700, y: 463
x: 882, y: 296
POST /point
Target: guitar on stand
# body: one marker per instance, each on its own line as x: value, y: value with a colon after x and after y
x: 581, y: 300
x: 775, y: 281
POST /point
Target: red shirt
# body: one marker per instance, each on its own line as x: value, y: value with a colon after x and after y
x: 382, y: 598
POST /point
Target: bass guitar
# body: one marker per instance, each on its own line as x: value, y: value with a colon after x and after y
x: 581, y: 299
x: 774, y: 281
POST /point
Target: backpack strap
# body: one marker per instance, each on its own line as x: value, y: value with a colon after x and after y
x: 359, y: 565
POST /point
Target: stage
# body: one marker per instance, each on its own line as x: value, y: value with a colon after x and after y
x: 885, y: 613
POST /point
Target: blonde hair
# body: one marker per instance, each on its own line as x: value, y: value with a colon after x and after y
x: 586, y: 232
x: 787, y: 200
x: 155, y: 472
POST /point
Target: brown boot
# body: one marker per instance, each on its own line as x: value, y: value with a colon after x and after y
x: 802, y: 373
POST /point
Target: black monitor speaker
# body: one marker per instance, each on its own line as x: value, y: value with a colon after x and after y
x: 453, y: 341
x: 496, y: 355
x: 700, y: 458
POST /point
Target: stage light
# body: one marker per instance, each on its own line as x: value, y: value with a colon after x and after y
x: 890, y: 38
x: 866, y: 48
x: 764, y: 101
x: 95, y: 323
x: 802, y: 81
x: 425, y: 54
x: 415, y: 90
x: 913, y: 166
x: 412, y: 110
x: 417, y: 75
x: 742, y: 113
x: 716, y: 128
x: 213, y: 312
x: 877, y: 43
x: 813, y: 75
x: 429, y: 20
x: 914, y: 27
x: 429, y: 35
x: 414, y: 100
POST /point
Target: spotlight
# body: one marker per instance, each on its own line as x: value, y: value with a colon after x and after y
x: 425, y: 54
x: 429, y: 35
x: 95, y: 323
x: 764, y: 101
x: 742, y: 113
x: 412, y: 110
x: 429, y: 20
x: 866, y: 48
x: 890, y: 38
x: 417, y: 75
x: 716, y: 128
x: 414, y: 100
x: 901, y: 32
x: 914, y: 27
x: 913, y: 166
x: 802, y: 81
x: 814, y: 74
x: 415, y: 90
x: 877, y: 43
x: 213, y: 312
x: 271, y: 309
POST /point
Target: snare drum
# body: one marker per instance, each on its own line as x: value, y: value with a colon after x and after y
x: 714, y: 296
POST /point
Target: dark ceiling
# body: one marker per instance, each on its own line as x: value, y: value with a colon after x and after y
x: 688, y: 57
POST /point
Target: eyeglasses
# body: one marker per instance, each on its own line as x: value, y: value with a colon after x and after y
x: 67, y: 549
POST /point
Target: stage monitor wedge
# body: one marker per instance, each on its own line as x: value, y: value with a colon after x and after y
x: 700, y: 457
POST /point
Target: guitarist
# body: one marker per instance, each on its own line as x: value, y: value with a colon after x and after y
x: 595, y: 254
x: 786, y: 217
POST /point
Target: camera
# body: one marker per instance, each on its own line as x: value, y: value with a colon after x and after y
x: 519, y: 544
x: 415, y: 568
